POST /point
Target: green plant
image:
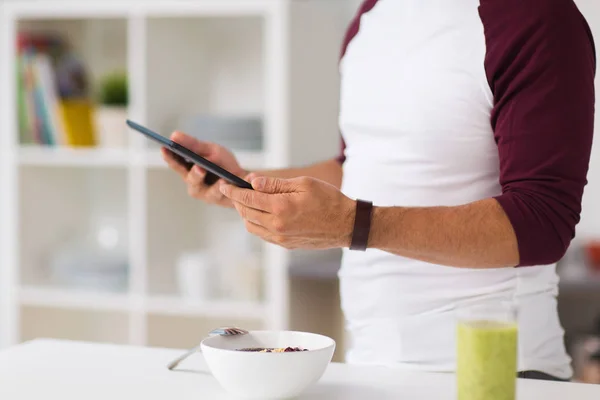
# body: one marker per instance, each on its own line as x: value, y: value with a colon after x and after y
x: 114, y: 89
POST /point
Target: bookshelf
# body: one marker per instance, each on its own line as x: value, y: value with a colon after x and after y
x: 274, y: 59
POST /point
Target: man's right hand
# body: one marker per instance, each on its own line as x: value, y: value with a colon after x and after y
x: 194, y: 178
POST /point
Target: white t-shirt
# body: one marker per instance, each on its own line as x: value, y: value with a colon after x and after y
x: 434, y: 101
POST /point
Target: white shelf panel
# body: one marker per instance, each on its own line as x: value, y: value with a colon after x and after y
x: 247, y: 159
x: 208, y: 8
x: 72, y: 157
x: 173, y: 305
x: 74, y: 299
x: 68, y: 9
x: 96, y: 9
x: 162, y: 305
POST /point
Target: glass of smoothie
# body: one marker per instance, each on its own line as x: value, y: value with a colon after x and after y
x: 486, y: 367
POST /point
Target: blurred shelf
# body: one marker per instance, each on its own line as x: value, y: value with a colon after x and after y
x: 96, y: 9
x: 72, y: 157
x: 238, y: 55
x: 174, y: 305
x: 247, y: 159
x: 575, y: 275
x: 317, y: 265
x: 73, y: 299
x: 583, y: 283
x: 32, y: 155
x: 40, y: 296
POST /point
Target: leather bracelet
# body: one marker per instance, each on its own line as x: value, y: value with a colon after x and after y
x: 362, y: 225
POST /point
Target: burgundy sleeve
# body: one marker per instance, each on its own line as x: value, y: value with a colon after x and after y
x: 540, y: 64
x: 341, y: 158
x: 352, y: 30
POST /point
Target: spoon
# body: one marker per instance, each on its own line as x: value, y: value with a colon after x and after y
x: 228, y: 331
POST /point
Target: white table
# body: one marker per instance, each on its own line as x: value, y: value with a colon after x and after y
x: 51, y: 369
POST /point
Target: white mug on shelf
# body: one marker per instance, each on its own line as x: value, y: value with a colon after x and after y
x: 195, y: 275
x: 249, y: 278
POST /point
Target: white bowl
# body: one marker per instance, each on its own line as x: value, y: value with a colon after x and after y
x: 268, y: 376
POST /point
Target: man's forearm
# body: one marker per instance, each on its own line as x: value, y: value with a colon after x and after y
x: 329, y: 171
x: 476, y: 235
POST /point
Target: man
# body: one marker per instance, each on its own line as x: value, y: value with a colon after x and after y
x: 468, y: 125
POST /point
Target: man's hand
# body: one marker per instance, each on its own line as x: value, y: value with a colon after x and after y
x: 298, y: 213
x: 195, y: 177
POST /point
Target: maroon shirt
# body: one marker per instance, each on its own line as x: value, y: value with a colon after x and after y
x: 540, y: 64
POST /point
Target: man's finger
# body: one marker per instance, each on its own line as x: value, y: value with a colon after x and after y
x: 203, y: 149
x: 196, y: 176
x: 253, y: 215
x: 260, y: 231
x: 172, y: 162
x: 247, y: 197
x: 250, y: 177
x: 214, y: 195
x: 274, y: 185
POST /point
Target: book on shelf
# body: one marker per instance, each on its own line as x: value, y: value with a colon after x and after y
x: 54, y: 105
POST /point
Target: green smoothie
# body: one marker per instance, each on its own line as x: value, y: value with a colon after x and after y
x: 486, y: 360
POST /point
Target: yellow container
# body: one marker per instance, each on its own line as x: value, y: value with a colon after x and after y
x: 78, y: 122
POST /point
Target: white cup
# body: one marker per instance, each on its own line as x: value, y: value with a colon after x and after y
x: 195, y: 275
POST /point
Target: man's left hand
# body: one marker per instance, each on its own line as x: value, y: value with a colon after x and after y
x: 298, y: 213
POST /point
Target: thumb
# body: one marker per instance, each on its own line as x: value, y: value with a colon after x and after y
x: 203, y: 149
x: 273, y: 185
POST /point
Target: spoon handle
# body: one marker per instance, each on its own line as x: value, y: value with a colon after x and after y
x: 178, y: 360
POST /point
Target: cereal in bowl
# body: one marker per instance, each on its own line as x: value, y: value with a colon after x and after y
x: 272, y: 350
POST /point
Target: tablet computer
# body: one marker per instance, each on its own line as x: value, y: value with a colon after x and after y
x: 190, y: 157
